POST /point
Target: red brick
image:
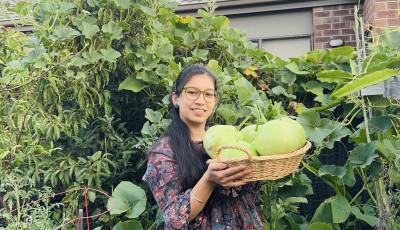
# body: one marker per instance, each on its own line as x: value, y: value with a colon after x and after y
x: 347, y: 19
x: 380, y: 6
x: 330, y: 32
x: 317, y: 9
x: 344, y: 38
x: 341, y: 12
x: 322, y: 14
x: 380, y: 23
x: 392, y: 5
x: 392, y: 22
x: 317, y: 21
x: 323, y: 27
x: 317, y: 33
x: 348, y: 31
x: 342, y: 25
x: 331, y: 20
x: 322, y: 39
x: 348, y: 6
x: 331, y: 7
x: 386, y: 14
x: 317, y: 46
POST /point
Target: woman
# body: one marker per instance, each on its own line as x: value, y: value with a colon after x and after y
x: 190, y: 193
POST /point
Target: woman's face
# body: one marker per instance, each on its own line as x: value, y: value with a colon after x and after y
x: 195, y: 112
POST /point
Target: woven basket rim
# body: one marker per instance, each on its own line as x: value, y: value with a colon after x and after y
x: 300, y: 151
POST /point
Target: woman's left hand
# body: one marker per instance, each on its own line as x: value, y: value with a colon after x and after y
x: 219, y: 173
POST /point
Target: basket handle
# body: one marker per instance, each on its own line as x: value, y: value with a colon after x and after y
x: 218, y: 157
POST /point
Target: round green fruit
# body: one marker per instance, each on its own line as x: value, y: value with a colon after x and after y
x: 300, y: 131
x: 230, y: 153
x: 217, y: 136
x: 276, y: 137
x: 247, y: 134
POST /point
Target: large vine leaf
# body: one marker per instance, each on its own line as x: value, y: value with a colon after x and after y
x: 333, y: 210
x: 368, y: 216
x: 110, y: 54
x: 316, y: 132
x: 334, y: 76
x: 129, y: 199
x: 89, y: 30
x: 112, y: 30
x: 368, y: 80
x: 66, y: 33
x: 132, y: 83
x: 128, y: 225
x: 363, y: 154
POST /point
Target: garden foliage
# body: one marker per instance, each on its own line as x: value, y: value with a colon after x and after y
x: 84, y: 95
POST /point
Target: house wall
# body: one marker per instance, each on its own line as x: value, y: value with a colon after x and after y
x: 381, y: 13
x: 333, y: 22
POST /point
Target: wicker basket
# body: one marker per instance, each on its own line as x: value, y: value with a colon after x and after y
x: 264, y: 167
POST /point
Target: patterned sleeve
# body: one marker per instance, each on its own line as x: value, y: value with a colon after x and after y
x: 167, y: 190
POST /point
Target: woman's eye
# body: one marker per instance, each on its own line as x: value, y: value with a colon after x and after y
x: 192, y: 92
x: 209, y: 94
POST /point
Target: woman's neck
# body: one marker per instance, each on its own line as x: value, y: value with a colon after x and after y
x: 197, y: 134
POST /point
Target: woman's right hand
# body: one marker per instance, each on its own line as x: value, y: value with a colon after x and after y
x: 219, y: 173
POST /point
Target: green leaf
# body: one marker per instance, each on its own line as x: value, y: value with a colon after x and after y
x: 220, y: 23
x: 112, y: 30
x: 128, y: 225
x: 148, y: 76
x: 349, y: 179
x: 246, y: 92
x: 319, y: 226
x: 334, y: 76
x: 391, y: 40
x: 149, y: 130
x: 122, y: 4
x: 388, y: 148
x: 313, y: 87
x: 153, y: 116
x: 132, y: 83
x: 332, y: 170
x: 323, y: 213
x: 36, y: 53
x: 78, y: 61
x: 129, y: 199
x: 340, y: 209
x: 363, y: 154
x: 92, y: 57
x: 342, y: 54
x: 66, y: 33
x: 110, y: 54
x: 89, y: 30
x: 200, y: 54
x: 368, y: 80
x: 368, y: 216
x: 147, y: 10
x: 214, y: 67
x: 295, y: 68
x: 165, y: 50
x: 311, y: 122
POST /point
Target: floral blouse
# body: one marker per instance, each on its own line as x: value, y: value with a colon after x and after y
x: 233, y: 208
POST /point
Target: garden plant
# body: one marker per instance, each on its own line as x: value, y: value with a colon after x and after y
x: 83, y: 96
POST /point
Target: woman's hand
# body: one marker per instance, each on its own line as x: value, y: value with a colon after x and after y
x: 219, y: 173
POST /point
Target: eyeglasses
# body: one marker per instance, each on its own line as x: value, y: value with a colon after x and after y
x: 193, y: 93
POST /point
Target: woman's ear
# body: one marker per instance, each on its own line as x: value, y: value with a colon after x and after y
x: 174, y: 97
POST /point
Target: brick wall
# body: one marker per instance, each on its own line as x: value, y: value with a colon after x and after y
x: 332, y: 22
x: 381, y: 13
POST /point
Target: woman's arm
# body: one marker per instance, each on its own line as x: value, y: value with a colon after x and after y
x: 217, y: 173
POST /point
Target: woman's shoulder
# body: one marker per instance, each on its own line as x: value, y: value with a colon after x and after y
x: 162, y: 146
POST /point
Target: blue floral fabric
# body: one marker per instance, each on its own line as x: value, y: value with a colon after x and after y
x: 233, y: 208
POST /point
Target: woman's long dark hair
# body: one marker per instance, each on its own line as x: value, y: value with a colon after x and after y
x: 189, y: 155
